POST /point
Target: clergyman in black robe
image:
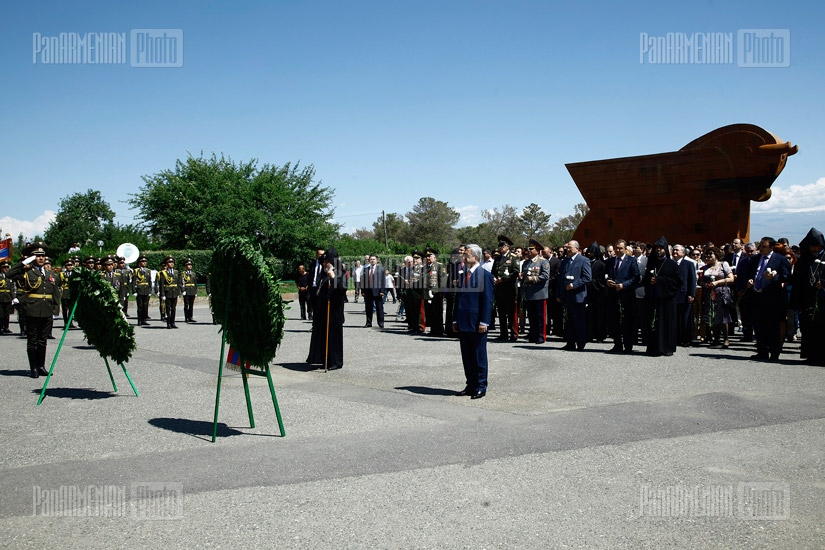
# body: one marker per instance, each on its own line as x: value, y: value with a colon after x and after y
x: 662, y: 281
x: 327, y: 343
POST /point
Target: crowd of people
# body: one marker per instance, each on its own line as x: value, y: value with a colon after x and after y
x: 657, y: 296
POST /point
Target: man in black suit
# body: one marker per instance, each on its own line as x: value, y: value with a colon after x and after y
x: 745, y: 295
x: 373, y: 287
x: 622, y: 278
x: 685, y: 296
x: 765, y: 277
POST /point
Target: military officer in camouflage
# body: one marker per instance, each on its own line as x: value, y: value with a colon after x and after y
x: 505, y: 274
x: 39, y: 292
x: 170, y: 288
x: 189, y: 283
x: 142, y: 289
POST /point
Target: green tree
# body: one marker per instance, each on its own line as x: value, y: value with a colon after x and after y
x: 431, y: 221
x: 203, y: 199
x: 534, y: 221
x: 397, y: 227
x: 80, y: 217
x: 564, y: 228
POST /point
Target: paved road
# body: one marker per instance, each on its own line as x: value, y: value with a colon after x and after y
x: 567, y: 450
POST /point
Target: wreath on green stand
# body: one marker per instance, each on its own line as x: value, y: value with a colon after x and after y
x: 99, y: 314
x: 246, y: 300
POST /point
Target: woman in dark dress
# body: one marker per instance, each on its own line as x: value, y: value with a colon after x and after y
x: 327, y: 342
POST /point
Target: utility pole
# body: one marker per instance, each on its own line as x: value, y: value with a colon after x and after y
x: 384, y: 223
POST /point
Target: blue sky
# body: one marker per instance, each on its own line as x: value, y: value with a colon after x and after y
x: 478, y: 104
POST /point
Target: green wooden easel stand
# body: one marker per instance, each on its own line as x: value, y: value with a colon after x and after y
x: 245, y: 375
x: 57, y: 354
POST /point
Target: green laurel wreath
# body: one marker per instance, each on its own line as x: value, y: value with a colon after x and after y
x: 98, y: 313
x: 246, y: 300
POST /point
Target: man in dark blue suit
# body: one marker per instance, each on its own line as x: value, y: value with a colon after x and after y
x: 473, y: 307
x: 622, y: 277
x: 766, y: 274
x: 373, y: 287
x: 685, y: 296
x: 574, y: 274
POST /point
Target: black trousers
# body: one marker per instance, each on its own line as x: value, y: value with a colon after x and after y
x: 38, y: 330
x: 575, y: 333
x: 303, y: 298
x: 142, y: 303
x: 373, y: 302
x: 434, y: 313
x: 506, y: 304
x: 171, y: 306
x: 188, y: 307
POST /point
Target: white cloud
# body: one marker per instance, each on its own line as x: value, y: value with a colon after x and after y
x: 29, y: 229
x: 470, y: 215
x: 794, y: 199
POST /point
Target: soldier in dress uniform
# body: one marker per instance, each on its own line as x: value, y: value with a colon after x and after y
x: 8, y: 295
x: 109, y: 272
x: 159, y: 292
x: 142, y: 289
x: 535, y: 274
x: 505, y: 275
x: 170, y: 287
x: 65, y: 301
x: 124, y: 289
x: 435, y: 282
x: 39, y: 292
x: 455, y: 270
x: 189, y: 283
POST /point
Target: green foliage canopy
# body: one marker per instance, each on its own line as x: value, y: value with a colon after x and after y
x: 203, y: 200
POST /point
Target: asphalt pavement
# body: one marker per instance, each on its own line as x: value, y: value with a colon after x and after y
x: 705, y: 449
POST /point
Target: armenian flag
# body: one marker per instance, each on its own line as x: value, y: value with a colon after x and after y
x: 5, y: 249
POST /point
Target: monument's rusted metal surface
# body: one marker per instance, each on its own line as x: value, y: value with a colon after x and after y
x: 697, y: 194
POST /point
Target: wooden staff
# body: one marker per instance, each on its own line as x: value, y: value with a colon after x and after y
x: 326, y: 351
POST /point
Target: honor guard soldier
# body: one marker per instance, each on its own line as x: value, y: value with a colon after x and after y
x: 39, y: 289
x: 159, y: 292
x: 8, y: 296
x: 170, y: 287
x: 435, y: 282
x: 125, y: 276
x: 142, y: 289
x: 65, y: 301
x: 505, y: 275
x: 109, y: 272
x: 189, y: 282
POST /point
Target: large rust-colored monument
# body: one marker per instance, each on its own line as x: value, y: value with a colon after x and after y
x: 699, y: 193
